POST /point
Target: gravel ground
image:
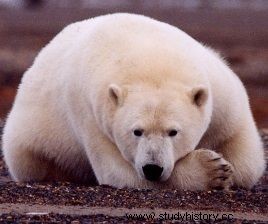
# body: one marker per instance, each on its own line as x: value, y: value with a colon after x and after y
x: 56, y: 218
x: 69, y: 194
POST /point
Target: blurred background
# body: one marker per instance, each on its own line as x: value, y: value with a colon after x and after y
x: 236, y: 28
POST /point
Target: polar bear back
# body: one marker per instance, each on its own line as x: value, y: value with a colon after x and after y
x: 130, y: 48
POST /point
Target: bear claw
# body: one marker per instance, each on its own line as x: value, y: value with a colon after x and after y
x: 219, y: 171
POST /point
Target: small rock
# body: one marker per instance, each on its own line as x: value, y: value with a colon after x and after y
x: 75, y: 222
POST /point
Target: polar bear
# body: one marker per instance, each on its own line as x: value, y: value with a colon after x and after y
x: 129, y: 101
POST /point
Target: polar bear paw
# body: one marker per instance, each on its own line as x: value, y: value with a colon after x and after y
x: 219, y: 172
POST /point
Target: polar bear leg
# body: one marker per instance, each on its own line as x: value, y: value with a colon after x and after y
x: 202, y: 169
x: 245, y: 152
x: 27, y: 165
x: 24, y: 165
x: 111, y: 169
x: 109, y: 166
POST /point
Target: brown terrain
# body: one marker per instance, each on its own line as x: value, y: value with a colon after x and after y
x: 240, y: 35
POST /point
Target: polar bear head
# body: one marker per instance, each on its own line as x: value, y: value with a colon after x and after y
x: 155, y: 127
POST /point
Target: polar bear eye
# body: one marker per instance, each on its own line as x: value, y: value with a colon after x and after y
x: 138, y: 132
x: 172, y: 133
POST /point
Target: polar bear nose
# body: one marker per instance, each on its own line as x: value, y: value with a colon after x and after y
x: 152, y: 172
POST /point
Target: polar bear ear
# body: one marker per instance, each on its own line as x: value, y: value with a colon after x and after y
x: 199, y: 95
x: 116, y: 94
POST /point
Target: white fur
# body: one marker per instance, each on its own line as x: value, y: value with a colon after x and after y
x: 102, y: 78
